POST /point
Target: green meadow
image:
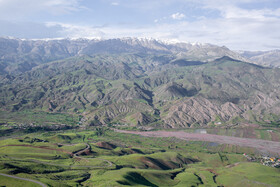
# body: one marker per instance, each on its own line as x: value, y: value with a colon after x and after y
x: 88, y: 158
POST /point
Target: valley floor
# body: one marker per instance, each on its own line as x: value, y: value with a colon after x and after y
x: 263, y: 146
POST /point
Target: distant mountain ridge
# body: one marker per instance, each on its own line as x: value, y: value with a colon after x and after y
x: 18, y: 56
x: 263, y: 58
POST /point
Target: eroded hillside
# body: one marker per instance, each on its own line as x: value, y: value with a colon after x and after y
x: 161, y: 90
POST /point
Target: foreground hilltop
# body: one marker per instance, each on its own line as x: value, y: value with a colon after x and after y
x: 137, y: 82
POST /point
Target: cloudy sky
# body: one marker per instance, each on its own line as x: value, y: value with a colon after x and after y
x: 237, y: 24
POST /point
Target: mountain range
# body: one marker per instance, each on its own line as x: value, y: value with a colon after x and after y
x: 18, y: 56
x: 140, y: 82
x: 263, y: 58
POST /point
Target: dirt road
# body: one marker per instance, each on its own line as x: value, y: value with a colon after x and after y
x: 25, y: 179
x: 82, y: 151
x: 264, y: 146
x: 87, y: 149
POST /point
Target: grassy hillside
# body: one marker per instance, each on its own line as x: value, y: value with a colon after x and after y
x: 144, y: 90
x: 115, y: 159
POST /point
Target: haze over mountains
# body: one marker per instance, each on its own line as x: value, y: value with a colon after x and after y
x: 139, y: 81
x: 264, y: 58
x: 22, y: 55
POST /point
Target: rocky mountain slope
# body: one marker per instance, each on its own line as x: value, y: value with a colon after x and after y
x: 263, y: 58
x: 18, y: 56
x: 141, y: 82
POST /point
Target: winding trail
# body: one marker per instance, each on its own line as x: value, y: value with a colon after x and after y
x: 87, y: 149
x: 25, y: 179
x: 264, y: 146
x: 82, y: 151
x: 109, y: 162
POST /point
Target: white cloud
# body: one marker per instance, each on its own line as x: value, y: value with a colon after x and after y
x: 28, y: 30
x: 231, y: 9
x: 21, y: 9
x: 64, y: 6
x: 178, y: 16
x: 232, y: 25
x: 115, y: 4
x: 77, y: 31
x: 235, y: 33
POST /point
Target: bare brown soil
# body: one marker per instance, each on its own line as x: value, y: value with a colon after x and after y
x: 232, y: 165
x: 212, y: 171
x: 249, y: 133
x: 105, y: 145
x: 264, y: 146
x: 274, y: 137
